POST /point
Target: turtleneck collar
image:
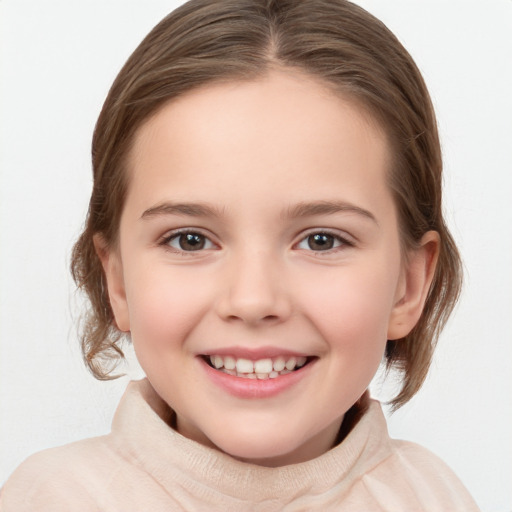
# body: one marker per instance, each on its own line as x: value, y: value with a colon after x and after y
x: 141, y: 427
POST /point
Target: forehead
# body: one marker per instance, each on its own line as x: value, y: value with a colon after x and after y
x: 285, y: 132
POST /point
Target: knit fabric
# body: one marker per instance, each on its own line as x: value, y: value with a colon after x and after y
x: 144, y: 465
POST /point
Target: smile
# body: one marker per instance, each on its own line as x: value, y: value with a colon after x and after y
x: 256, y: 374
x: 262, y: 369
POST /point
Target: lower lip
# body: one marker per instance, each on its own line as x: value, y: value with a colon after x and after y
x: 255, y: 388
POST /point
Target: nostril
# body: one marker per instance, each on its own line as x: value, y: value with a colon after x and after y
x: 247, y: 318
x: 252, y: 307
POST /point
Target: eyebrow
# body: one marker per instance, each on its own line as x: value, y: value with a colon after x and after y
x: 188, y: 209
x: 328, y: 208
x: 299, y: 210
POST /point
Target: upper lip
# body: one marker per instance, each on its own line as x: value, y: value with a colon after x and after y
x: 254, y: 353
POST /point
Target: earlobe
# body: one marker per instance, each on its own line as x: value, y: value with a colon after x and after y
x: 414, y: 286
x: 113, y: 269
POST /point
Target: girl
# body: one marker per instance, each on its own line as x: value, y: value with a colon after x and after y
x: 265, y: 226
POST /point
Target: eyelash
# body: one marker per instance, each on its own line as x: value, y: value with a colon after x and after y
x: 167, y: 239
x: 341, y: 241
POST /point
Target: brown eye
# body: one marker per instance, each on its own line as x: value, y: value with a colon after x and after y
x: 189, y: 242
x: 320, y: 242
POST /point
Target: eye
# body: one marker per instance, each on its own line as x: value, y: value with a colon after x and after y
x: 188, y: 241
x: 322, y: 241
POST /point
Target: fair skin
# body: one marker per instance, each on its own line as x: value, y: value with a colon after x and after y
x: 258, y: 228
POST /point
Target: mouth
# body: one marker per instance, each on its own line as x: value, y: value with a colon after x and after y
x: 261, y: 369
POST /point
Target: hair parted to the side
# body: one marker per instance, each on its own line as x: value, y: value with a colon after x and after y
x: 334, y: 41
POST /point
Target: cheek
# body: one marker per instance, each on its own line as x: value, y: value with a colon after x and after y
x: 164, y: 306
x: 352, y: 309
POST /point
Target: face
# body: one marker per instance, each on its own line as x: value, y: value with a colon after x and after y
x: 259, y: 268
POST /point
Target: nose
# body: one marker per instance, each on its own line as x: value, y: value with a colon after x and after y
x: 253, y: 291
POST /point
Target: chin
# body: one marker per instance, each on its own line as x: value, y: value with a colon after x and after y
x: 263, y: 450
x: 266, y: 456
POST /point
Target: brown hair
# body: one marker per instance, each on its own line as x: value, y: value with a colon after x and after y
x: 333, y: 40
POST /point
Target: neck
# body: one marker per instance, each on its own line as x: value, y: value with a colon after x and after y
x: 311, y: 449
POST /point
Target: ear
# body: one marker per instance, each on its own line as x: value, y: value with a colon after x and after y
x: 113, y: 269
x: 414, y: 286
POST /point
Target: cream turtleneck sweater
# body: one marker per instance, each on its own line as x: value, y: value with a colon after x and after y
x: 143, y: 465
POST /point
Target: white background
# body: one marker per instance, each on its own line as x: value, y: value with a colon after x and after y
x: 58, y: 60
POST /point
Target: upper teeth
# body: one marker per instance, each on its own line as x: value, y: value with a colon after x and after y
x: 262, y: 368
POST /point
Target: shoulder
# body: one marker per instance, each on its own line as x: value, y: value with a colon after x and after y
x: 421, y: 462
x: 425, y: 477
x: 405, y: 475
x: 55, y: 478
